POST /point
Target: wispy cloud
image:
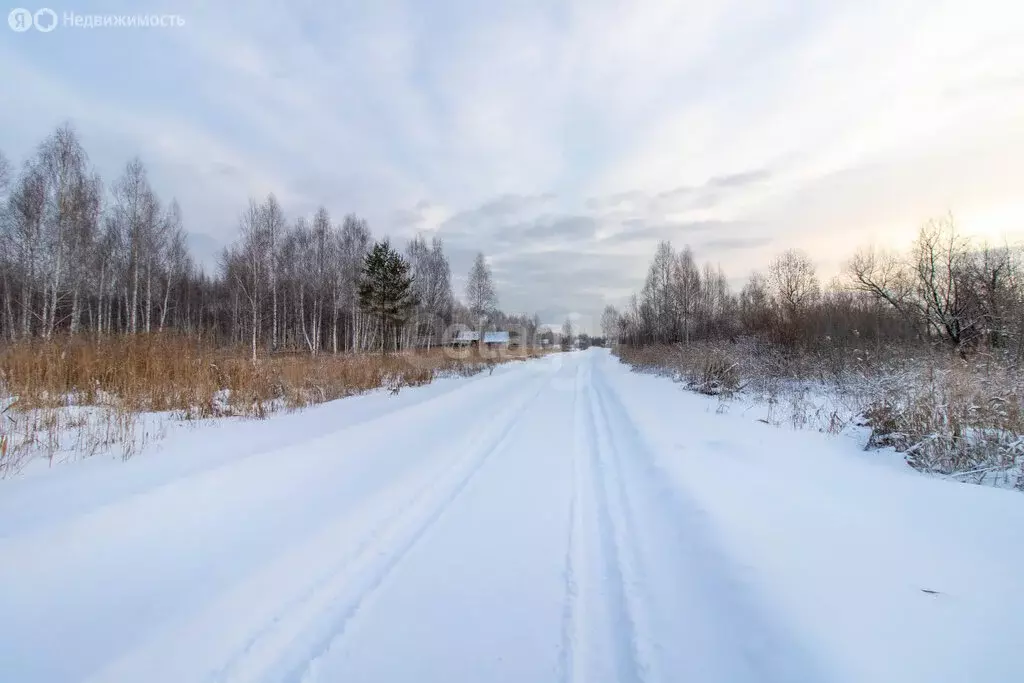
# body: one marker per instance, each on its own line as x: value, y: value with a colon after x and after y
x: 563, y: 139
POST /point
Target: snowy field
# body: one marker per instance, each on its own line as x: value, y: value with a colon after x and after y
x: 560, y: 520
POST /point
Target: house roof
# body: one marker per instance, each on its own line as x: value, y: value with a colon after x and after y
x: 495, y: 337
x: 474, y: 336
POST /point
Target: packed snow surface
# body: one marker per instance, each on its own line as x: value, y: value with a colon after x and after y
x: 560, y: 520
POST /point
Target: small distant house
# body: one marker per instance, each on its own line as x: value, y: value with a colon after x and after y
x: 462, y: 338
x: 465, y: 338
x: 496, y: 339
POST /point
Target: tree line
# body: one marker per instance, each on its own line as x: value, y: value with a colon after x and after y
x: 946, y: 289
x: 78, y: 256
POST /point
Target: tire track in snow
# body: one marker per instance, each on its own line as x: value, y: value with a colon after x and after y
x: 737, y: 641
x: 328, y: 626
x: 614, y: 483
x: 568, y: 666
x: 116, y: 505
x: 218, y: 647
x: 621, y: 625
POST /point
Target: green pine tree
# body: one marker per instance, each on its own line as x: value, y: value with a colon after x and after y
x: 385, y: 291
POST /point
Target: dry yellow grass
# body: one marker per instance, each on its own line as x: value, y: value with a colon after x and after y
x: 164, y: 372
x: 125, y: 376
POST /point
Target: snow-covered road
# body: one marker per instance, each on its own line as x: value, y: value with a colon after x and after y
x: 562, y: 520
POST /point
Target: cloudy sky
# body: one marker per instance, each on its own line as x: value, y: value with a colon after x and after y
x: 564, y: 138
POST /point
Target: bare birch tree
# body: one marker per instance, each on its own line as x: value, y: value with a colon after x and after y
x: 480, y: 295
x: 432, y: 283
x: 246, y: 261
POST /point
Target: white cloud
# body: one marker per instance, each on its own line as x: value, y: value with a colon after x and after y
x: 857, y: 118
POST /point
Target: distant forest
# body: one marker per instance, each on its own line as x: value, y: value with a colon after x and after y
x: 945, y: 290
x: 82, y: 257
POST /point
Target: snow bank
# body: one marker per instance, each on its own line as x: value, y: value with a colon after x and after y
x: 891, y: 575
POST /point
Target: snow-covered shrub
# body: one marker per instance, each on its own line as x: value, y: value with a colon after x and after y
x: 952, y: 416
x: 949, y: 415
x: 703, y: 368
x: 714, y: 373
